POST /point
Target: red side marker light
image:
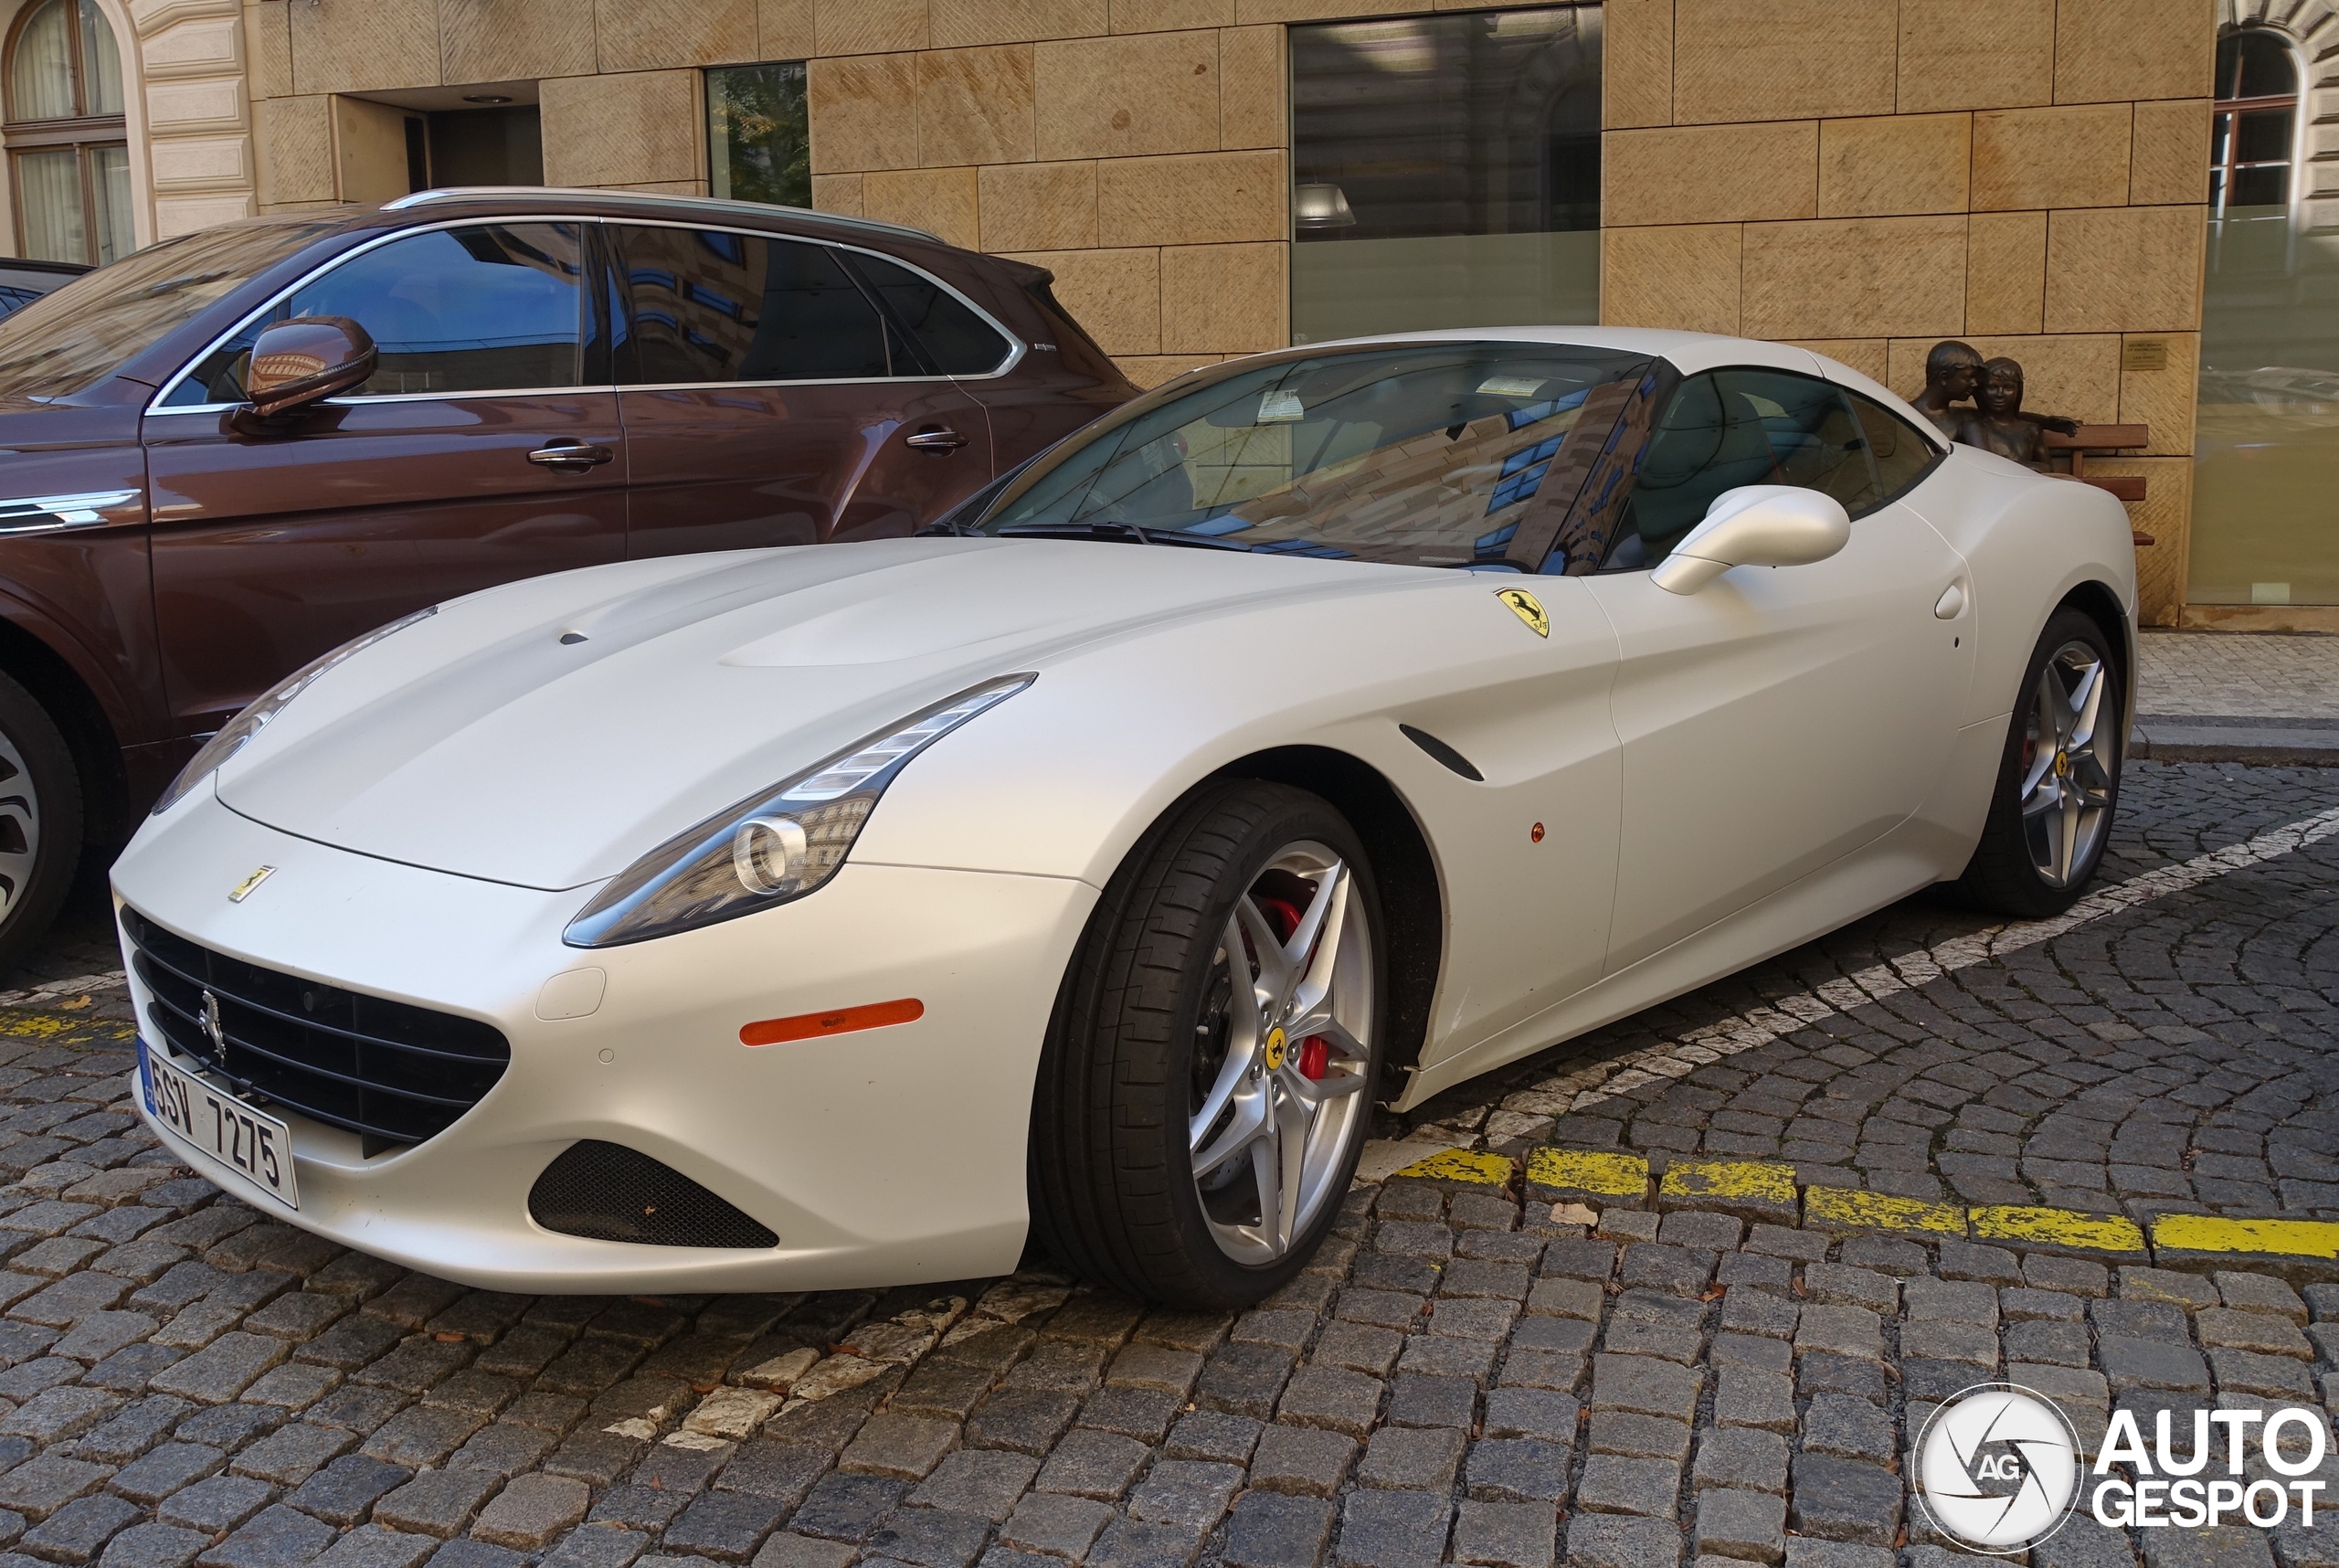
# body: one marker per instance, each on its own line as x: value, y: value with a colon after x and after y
x: 843, y: 1021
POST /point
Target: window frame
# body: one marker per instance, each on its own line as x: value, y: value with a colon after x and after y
x: 599, y: 250
x: 1937, y: 450
x: 2230, y: 110
x: 84, y: 132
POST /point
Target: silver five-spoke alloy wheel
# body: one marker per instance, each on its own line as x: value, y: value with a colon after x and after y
x: 1281, y: 1054
x: 2065, y: 781
x: 19, y: 825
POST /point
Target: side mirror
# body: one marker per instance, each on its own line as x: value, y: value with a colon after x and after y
x: 1756, y: 526
x: 305, y: 361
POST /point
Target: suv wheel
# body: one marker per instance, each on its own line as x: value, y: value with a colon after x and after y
x: 40, y: 821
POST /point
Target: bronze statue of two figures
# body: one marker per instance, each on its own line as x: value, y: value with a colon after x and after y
x: 1995, y: 420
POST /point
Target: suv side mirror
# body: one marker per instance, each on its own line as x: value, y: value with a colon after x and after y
x: 1756, y: 526
x: 305, y: 361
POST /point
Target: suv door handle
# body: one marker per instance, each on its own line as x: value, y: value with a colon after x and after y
x: 570, y: 456
x: 939, y: 442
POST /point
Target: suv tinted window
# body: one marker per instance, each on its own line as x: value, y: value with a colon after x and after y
x: 710, y: 304
x: 1731, y: 428
x: 491, y: 308
x: 957, y: 341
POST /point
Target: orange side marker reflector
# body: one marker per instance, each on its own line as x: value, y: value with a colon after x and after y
x: 844, y: 1021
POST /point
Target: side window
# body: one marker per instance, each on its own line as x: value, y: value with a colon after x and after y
x: 716, y: 306
x: 1731, y: 428
x: 1902, y: 456
x: 955, y: 341
x: 497, y: 307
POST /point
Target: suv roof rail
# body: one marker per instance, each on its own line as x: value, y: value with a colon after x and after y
x: 644, y: 199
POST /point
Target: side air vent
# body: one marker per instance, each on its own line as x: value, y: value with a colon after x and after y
x: 1443, y: 752
x: 609, y: 1193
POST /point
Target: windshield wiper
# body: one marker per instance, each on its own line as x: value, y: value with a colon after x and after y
x: 1112, y: 531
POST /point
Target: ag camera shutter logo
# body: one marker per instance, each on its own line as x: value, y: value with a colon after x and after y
x: 1997, y: 1469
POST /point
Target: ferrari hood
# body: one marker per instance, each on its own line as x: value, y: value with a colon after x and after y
x: 547, y: 732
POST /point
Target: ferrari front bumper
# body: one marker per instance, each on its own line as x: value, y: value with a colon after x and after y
x: 890, y: 1155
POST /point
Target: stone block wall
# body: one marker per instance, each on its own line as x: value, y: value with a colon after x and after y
x: 1866, y: 178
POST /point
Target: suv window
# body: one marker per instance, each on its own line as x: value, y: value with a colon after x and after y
x: 710, y: 304
x: 1725, y: 428
x: 956, y: 342
x: 489, y: 308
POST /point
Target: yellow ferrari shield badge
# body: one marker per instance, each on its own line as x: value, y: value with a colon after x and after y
x: 250, y: 885
x: 1276, y: 1046
x: 1528, y: 608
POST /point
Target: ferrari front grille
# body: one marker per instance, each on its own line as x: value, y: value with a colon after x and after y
x: 389, y: 1071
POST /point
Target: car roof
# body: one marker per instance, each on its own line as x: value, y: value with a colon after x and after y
x: 1688, y: 352
x: 566, y: 198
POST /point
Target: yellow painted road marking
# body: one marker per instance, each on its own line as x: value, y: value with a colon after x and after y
x: 2214, y: 1233
x: 1608, y: 1175
x: 1849, y: 1207
x: 1461, y: 1165
x: 1752, y: 1181
x: 2057, y: 1227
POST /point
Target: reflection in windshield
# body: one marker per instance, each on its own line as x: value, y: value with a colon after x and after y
x: 68, y: 340
x: 1428, y: 454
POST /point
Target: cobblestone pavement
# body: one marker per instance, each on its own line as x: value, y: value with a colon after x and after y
x: 2225, y: 674
x: 1459, y: 1377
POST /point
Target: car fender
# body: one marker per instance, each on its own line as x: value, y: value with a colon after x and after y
x: 2030, y: 541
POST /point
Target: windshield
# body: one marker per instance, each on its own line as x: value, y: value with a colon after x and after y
x: 68, y: 340
x: 1424, y: 454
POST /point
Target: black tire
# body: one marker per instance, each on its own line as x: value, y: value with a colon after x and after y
x: 41, y: 813
x: 1111, y: 1179
x: 2004, y: 875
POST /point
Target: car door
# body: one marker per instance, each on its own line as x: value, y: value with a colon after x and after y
x: 773, y: 396
x: 485, y: 447
x: 1778, y: 718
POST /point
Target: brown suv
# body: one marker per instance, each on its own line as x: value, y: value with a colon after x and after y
x: 537, y: 379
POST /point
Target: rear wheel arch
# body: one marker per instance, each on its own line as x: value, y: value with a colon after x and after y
x: 2097, y: 602
x: 1412, y: 899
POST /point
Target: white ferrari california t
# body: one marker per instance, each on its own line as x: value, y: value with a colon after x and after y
x: 1316, y: 731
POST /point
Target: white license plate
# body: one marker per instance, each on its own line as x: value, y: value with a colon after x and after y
x: 252, y: 1143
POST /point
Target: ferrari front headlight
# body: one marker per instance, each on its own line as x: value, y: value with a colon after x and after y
x: 240, y: 729
x: 774, y: 846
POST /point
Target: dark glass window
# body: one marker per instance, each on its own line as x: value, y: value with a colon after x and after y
x: 491, y: 308
x: 1445, y: 170
x: 713, y: 306
x: 1732, y: 428
x: 758, y: 147
x: 954, y: 339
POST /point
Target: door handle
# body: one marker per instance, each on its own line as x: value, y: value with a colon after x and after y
x: 939, y: 442
x: 570, y: 456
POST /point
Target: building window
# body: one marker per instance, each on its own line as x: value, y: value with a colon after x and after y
x: 68, y: 151
x: 1445, y: 171
x: 758, y: 145
x: 2257, y: 120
